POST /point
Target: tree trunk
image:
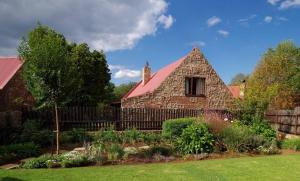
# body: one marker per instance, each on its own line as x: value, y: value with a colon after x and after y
x: 57, y: 129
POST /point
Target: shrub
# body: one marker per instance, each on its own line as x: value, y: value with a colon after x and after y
x: 33, y: 132
x: 108, y: 136
x: 234, y: 136
x: 196, y: 138
x: 241, y: 138
x: 40, y: 162
x: 115, y: 152
x: 97, y: 151
x: 131, y: 136
x: 215, y: 122
x: 151, y: 138
x: 14, y: 152
x: 76, y: 135
x: 252, y: 143
x: 293, y: 143
x: 268, y: 149
x: 161, y: 150
x: 262, y: 128
x: 74, y: 159
x: 173, y: 128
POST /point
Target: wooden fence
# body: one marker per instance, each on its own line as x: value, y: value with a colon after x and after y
x: 286, y: 121
x: 93, y: 118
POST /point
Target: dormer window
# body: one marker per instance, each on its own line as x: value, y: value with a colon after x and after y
x: 194, y: 86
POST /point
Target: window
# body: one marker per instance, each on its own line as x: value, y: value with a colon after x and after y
x: 194, y: 86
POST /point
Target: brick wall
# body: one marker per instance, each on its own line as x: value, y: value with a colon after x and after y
x: 171, y: 93
x: 14, y: 94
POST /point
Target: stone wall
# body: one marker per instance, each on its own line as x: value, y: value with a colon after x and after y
x: 171, y: 93
x: 15, y: 94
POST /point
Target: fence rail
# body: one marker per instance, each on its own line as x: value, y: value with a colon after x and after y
x: 93, y: 118
x: 285, y: 121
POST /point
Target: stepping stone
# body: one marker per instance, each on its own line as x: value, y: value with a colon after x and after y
x: 9, y: 166
x: 79, y: 149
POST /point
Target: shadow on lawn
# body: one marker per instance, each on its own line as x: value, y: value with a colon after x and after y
x: 10, y: 179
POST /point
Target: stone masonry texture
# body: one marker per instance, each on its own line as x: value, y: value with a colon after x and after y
x: 171, y: 93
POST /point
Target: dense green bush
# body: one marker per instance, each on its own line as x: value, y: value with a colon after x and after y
x: 151, y: 138
x: 108, y: 136
x: 196, y: 138
x: 131, y: 136
x: 242, y: 138
x: 33, y: 132
x: 13, y: 152
x: 76, y: 135
x: 173, y: 128
x: 39, y: 162
x: 293, y: 143
x: 234, y: 136
x: 163, y: 150
x: 262, y: 128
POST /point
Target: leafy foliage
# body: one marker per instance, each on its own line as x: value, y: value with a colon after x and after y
x: 264, y: 129
x: 131, y: 136
x: 293, y: 143
x: 33, y: 131
x: 238, y: 79
x: 123, y: 89
x: 108, y: 136
x: 56, y: 71
x: 115, y: 152
x: 245, y: 138
x: 76, y: 135
x: 275, y: 81
x: 196, y: 138
x: 14, y: 152
x: 39, y: 162
x: 173, y: 128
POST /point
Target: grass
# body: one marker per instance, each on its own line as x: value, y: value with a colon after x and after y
x: 279, y: 167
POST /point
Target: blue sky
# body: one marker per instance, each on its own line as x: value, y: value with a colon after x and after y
x: 239, y: 33
x: 233, y: 34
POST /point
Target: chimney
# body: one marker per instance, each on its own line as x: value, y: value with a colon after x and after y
x: 146, y: 73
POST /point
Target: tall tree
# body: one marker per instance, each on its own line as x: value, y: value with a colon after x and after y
x: 46, y: 73
x: 238, y: 79
x: 275, y: 81
x: 122, y: 89
x: 92, y: 76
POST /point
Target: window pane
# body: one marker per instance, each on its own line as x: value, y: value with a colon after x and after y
x: 187, y: 86
x: 200, y: 87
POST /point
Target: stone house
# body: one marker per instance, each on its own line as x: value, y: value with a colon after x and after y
x: 13, y: 92
x: 189, y: 83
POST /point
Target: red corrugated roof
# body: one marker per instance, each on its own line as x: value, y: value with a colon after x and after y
x: 235, y: 91
x: 8, y: 67
x: 155, y: 80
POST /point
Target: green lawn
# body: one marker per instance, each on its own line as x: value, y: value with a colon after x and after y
x: 279, y: 167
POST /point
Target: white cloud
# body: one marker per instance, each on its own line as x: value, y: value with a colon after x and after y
x: 167, y: 21
x: 289, y: 4
x: 197, y: 44
x: 122, y: 72
x: 223, y: 33
x: 248, y: 18
x: 127, y: 73
x: 273, y: 2
x: 103, y: 24
x: 268, y: 19
x: 212, y: 21
x: 282, y: 19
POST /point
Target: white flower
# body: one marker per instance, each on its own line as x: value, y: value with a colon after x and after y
x: 225, y: 119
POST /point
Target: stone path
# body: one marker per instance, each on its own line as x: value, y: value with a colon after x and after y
x: 9, y: 166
